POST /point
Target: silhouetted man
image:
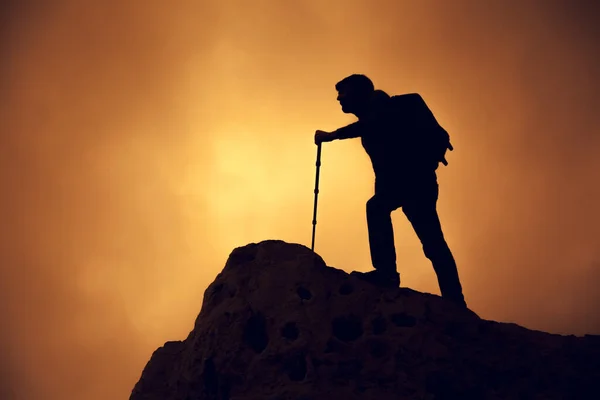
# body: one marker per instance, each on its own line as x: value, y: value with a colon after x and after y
x: 391, y: 134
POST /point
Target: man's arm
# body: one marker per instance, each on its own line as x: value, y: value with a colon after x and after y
x: 350, y: 131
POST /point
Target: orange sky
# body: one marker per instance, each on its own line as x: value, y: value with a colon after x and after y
x: 141, y: 142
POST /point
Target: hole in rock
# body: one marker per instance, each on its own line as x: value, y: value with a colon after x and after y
x: 379, y: 325
x: 295, y: 367
x: 347, y: 328
x: 346, y: 289
x: 210, y: 377
x: 255, y: 333
x: 304, y: 293
x: 403, y: 320
x: 290, y: 331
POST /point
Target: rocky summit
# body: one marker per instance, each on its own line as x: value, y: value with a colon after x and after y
x: 278, y: 323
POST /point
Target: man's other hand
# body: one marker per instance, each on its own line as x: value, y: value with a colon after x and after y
x: 322, y: 136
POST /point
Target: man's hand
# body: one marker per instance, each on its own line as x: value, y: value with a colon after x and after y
x: 322, y: 136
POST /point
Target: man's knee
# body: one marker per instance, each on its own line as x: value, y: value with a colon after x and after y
x: 432, y: 237
x: 436, y: 248
x: 380, y: 205
x: 374, y: 205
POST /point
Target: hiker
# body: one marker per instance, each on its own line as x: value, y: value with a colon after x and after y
x: 396, y: 132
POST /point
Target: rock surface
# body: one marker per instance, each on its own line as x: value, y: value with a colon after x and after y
x: 278, y: 324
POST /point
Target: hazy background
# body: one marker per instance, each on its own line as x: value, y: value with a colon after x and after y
x: 141, y: 141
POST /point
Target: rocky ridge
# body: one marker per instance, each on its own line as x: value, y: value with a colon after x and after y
x: 278, y: 323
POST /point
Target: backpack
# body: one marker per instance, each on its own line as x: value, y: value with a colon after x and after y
x: 428, y: 140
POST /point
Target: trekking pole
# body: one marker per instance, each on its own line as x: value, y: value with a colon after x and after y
x: 314, y: 221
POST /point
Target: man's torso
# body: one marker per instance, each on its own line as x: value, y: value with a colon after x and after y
x: 390, y: 138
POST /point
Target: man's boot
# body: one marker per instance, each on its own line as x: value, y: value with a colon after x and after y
x: 381, y: 278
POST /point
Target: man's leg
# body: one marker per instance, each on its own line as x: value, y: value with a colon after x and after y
x: 425, y: 220
x: 381, y: 232
x: 381, y: 242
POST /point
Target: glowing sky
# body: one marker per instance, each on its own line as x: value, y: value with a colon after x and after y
x: 141, y: 141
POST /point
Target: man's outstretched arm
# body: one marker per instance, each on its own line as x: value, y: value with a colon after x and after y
x: 350, y: 131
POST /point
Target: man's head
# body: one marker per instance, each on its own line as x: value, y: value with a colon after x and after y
x: 354, y: 93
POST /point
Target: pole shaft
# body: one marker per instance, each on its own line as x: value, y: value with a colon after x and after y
x: 314, y: 221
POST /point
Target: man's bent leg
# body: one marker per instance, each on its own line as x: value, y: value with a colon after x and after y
x: 425, y: 220
x: 381, y: 233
